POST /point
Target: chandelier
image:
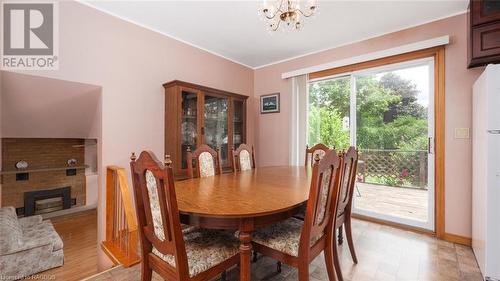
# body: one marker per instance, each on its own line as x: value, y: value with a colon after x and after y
x: 287, y: 13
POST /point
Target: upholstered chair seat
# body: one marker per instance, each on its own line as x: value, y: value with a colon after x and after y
x: 175, y: 251
x: 298, y: 242
x: 205, y: 249
x: 283, y: 236
x: 188, y: 228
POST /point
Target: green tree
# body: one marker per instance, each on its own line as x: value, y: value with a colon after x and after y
x: 325, y: 126
x: 408, y: 92
x: 388, y: 113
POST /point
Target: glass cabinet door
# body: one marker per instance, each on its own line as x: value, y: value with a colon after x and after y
x: 189, y: 123
x: 489, y: 7
x: 238, y: 121
x: 216, y: 126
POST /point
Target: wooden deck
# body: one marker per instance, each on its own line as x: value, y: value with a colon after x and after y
x: 395, y: 201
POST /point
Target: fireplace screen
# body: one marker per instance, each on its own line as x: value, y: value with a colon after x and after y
x: 44, y: 201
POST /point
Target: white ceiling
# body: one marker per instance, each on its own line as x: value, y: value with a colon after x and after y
x: 233, y: 29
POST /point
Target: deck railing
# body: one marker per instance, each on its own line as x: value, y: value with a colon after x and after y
x: 121, y: 243
x: 401, y: 168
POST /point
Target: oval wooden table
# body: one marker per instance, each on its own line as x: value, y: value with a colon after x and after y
x: 244, y: 201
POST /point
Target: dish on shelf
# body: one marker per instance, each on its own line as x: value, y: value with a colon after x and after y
x: 22, y: 165
x: 72, y: 162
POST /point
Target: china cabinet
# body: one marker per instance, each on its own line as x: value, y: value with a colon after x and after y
x: 197, y: 114
x: 484, y: 32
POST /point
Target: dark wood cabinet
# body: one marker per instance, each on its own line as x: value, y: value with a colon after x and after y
x: 197, y: 114
x: 484, y: 32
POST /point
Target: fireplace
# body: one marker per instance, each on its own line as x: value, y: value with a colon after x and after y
x: 44, y: 201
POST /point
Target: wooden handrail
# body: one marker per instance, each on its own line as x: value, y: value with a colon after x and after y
x: 121, y: 244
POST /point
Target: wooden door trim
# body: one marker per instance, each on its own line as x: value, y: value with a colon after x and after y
x: 439, y: 141
x: 426, y: 53
x: 438, y: 53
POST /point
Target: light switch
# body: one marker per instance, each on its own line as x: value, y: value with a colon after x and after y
x: 461, y: 133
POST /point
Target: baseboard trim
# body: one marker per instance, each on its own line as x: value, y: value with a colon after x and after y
x: 467, y: 241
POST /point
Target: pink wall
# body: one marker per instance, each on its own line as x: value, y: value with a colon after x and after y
x: 273, y: 147
x: 40, y: 107
x: 131, y: 63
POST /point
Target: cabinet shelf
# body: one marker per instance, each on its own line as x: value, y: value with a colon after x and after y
x: 216, y: 119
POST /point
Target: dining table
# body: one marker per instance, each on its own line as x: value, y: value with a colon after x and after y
x: 244, y: 201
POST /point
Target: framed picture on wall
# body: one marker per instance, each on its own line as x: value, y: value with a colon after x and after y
x: 270, y: 103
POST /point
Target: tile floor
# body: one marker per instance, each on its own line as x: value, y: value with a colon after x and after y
x: 384, y: 254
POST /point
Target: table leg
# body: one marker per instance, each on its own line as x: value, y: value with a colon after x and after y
x: 245, y: 255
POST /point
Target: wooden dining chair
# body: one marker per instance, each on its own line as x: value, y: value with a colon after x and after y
x: 318, y: 149
x: 297, y: 243
x: 344, y: 205
x: 206, y: 160
x: 243, y: 158
x: 174, y: 255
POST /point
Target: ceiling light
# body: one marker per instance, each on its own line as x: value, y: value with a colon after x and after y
x: 287, y: 14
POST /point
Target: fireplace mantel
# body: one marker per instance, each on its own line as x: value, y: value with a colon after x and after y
x: 42, y: 170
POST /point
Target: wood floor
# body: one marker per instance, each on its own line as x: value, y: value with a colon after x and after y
x: 384, y: 253
x: 79, y: 234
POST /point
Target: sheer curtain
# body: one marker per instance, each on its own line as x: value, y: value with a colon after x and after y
x: 298, y: 120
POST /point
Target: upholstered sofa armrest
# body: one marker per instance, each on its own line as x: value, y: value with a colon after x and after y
x: 29, y: 222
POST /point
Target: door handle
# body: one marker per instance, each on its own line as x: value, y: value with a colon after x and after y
x: 430, y: 146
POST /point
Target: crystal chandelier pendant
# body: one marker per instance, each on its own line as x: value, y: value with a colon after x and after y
x: 287, y: 15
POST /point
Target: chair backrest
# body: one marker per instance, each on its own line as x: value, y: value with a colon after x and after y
x: 206, y: 161
x: 243, y: 158
x: 347, y: 183
x: 318, y: 149
x: 157, y: 212
x: 323, y: 193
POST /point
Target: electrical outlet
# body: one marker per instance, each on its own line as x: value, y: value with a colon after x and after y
x: 462, y: 133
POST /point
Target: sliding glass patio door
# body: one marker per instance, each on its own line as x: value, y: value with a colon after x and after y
x: 387, y: 113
